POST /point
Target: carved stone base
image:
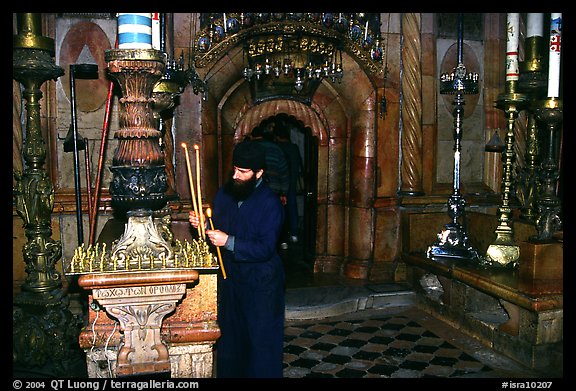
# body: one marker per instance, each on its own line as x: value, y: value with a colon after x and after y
x: 140, y: 301
x: 191, y: 360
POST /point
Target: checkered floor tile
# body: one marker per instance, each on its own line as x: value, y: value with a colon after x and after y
x: 395, y: 346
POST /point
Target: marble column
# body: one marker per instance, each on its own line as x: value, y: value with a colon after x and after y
x: 411, y: 106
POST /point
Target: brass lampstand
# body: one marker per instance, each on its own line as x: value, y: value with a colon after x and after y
x: 550, y: 113
x: 533, y: 82
x: 44, y: 332
x: 504, y: 251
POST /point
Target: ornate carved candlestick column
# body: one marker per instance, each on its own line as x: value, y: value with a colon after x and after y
x: 164, y: 96
x: 504, y: 251
x: 550, y: 113
x: 44, y: 329
x: 532, y: 81
x: 143, y: 276
x: 452, y: 242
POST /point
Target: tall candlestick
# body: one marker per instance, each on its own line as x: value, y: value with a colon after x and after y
x: 554, y: 58
x: 512, y: 70
x: 202, y: 222
x: 535, y: 25
x: 209, y: 214
x: 192, y: 191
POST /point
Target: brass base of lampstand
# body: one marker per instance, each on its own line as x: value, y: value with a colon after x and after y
x: 505, y: 255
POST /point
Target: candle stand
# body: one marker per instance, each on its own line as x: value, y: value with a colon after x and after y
x: 550, y: 113
x: 144, y: 274
x: 44, y: 330
x: 452, y: 241
x: 164, y: 98
x: 532, y: 81
x: 504, y: 252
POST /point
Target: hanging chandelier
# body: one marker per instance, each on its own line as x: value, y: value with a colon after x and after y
x: 298, y: 59
x: 291, y: 53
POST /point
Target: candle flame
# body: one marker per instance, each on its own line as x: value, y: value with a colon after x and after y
x: 196, y: 146
x: 184, y: 145
x: 208, y: 212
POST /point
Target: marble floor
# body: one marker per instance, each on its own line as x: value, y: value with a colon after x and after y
x: 341, y: 328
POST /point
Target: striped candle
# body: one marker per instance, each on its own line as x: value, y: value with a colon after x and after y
x: 554, y: 55
x: 156, y: 33
x: 513, y: 27
x: 135, y: 31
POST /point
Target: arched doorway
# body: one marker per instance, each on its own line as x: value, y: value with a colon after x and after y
x: 310, y: 134
x: 339, y: 128
x: 307, y: 184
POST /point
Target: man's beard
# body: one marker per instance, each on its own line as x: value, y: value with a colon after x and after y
x: 240, y: 190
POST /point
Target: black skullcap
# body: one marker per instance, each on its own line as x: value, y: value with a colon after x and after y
x: 249, y: 154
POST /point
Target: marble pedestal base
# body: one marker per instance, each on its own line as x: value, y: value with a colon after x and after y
x: 140, y: 301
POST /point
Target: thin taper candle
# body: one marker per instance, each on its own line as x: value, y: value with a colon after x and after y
x: 202, y: 222
x: 192, y: 191
x: 209, y: 214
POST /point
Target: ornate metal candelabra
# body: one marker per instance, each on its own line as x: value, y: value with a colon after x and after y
x: 504, y: 251
x: 139, y: 180
x: 533, y: 82
x: 452, y: 241
x: 164, y: 96
x: 44, y: 330
x: 550, y: 113
x: 143, y: 276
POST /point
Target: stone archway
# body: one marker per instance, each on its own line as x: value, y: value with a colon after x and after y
x: 344, y: 121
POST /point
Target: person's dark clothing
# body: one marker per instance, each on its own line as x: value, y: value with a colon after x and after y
x: 292, y: 153
x: 276, y: 172
x: 251, y: 299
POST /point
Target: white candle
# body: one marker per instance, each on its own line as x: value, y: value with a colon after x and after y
x: 224, y: 21
x: 156, y: 30
x: 535, y: 25
x: 199, y: 195
x: 366, y: 32
x: 513, y: 26
x: 192, y: 191
x: 554, y: 58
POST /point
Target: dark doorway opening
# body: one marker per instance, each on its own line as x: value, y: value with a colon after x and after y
x: 307, y: 142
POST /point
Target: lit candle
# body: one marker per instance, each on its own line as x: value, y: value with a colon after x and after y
x: 512, y: 70
x: 209, y: 214
x: 535, y: 25
x: 554, y: 58
x: 192, y: 191
x: 135, y: 31
x: 197, y: 148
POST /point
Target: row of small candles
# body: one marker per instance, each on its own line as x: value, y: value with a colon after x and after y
x: 535, y: 28
x: 95, y: 258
